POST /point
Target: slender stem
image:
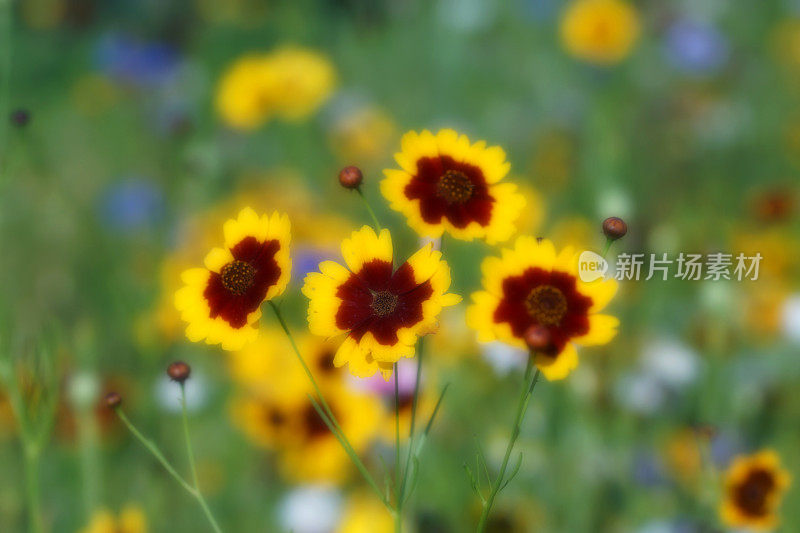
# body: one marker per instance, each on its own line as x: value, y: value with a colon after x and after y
x: 198, y: 494
x: 522, y: 407
x: 335, y: 427
x: 153, y: 449
x: 412, y: 425
x: 31, y: 466
x: 607, y: 246
x: 398, y: 483
x: 369, y: 208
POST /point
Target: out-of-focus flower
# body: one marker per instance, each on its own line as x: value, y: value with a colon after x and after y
x: 289, y: 424
x: 382, y: 311
x: 289, y: 82
x: 640, y: 392
x: 778, y: 249
x: 363, y: 134
x: 269, y: 363
x: 222, y: 301
x: 445, y: 183
x: 553, y: 159
x: 754, y: 486
x: 365, y: 514
x: 670, y: 362
x: 504, y: 358
x: 683, y: 456
x: 311, y: 509
x: 130, y: 520
x: 531, y: 285
x: 695, y: 47
x: 132, y: 204
x: 600, y: 31
x: 790, y: 318
x: 577, y: 232
x: 136, y: 62
x: 774, y: 205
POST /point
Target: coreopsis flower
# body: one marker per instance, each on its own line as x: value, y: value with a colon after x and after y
x: 446, y: 183
x: 533, y: 286
x: 754, y: 486
x: 289, y: 425
x: 364, y: 513
x: 130, y: 520
x: 600, y: 31
x: 221, y: 302
x: 380, y: 309
x: 289, y: 82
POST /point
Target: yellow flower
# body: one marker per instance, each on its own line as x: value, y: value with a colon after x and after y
x: 363, y: 134
x: 130, y: 520
x: 241, y: 98
x: 532, y: 285
x: 290, y: 425
x: 381, y: 310
x: 600, y: 31
x: 445, y: 183
x: 300, y: 81
x: 290, y: 82
x: 268, y: 363
x: 754, y: 486
x: 365, y: 514
x: 222, y: 301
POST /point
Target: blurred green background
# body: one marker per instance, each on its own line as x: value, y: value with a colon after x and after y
x: 126, y: 167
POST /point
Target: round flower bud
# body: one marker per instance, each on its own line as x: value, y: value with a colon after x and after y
x: 113, y: 400
x: 351, y: 177
x: 538, y: 339
x: 614, y: 228
x: 179, y: 371
x: 20, y: 117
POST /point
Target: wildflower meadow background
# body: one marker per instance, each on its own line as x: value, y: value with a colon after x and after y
x: 132, y: 131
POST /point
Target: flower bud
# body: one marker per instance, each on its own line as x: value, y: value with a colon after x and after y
x: 113, y: 400
x: 538, y: 339
x: 351, y: 177
x: 20, y: 117
x: 614, y: 228
x: 179, y: 371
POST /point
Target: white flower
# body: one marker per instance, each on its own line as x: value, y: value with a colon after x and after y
x: 790, y: 318
x: 670, y: 362
x: 503, y: 358
x: 311, y: 509
x: 641, y: 393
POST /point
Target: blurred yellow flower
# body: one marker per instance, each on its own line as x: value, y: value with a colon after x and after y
x: 130, y: 520
x: 363, y: 135
x: 289, y: 425
x: 289, y: 82
x: 445, y: 183
x: 600, y: 31
x: 754, y: 486
x: 365, y: 514
x: 533, y: 286
x: 221, y: 301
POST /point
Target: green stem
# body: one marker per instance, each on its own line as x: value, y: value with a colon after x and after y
x: 607, y: 246
x: 411, y: 428
x: 398, y: 520
x: 31, y: 466
x: 190, y: 454
x: 153, y: 449
x: 335, y: 427
x: 522, y: 407
x: 369, y: 208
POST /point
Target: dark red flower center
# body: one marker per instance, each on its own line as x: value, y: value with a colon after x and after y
x: 380, y: 301
x: 384, y: 303
x: 238, y: 276
x: 539, y: 297
x: 452, y: 190
x: 241, y: 285
x: 314, y: 426
x: 454, y: 187
x: 546, y: 304
x: 752, y: 495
